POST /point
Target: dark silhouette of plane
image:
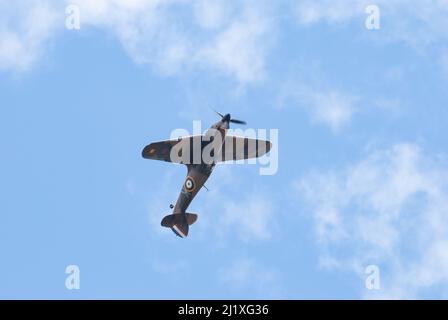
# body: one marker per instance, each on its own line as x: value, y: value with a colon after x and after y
x: 200, y: 154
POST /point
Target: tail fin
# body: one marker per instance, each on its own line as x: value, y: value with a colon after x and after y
x: 179, y: 222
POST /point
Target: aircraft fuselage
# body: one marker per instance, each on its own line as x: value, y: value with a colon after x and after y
x: 199, y: 173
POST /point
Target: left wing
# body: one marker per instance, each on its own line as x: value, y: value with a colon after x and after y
x: 162, y: 150
x: 240, y: 148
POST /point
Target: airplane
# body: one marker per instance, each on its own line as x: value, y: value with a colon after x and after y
x: 200, y: 154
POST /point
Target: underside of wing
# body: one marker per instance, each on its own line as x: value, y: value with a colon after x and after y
x: 240, y: 148
x: 171, y: 150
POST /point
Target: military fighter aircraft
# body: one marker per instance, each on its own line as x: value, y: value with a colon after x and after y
x: 200, y: 154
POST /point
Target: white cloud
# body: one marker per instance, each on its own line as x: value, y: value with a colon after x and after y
x: 171, y: 36
x: 418, y: 23
x: 390, y: 209
x: 309, y: 12
x: 211, y: 14
x: 25, y: 29
x: 177, y: 36
x: 174, y: 36
x: 240, y: 49
x: 148, y: 30
x: 330, y: 107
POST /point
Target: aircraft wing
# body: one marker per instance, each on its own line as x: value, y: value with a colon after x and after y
x: 234, y: 148
x: 240, y: 148
x: 162, y: 150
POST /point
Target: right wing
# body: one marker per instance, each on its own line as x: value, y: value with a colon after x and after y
x: 240, y: 148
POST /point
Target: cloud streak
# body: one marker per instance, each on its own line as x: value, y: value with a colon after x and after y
x: 389, y: 209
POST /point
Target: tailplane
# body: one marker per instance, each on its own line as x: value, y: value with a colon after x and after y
x: 191, y: 218
x: 179, y: 222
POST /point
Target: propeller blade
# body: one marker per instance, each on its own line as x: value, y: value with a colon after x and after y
x: 238, y: 121
x: 218, y: 113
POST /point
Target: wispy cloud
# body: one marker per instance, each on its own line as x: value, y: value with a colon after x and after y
x: 212, y: 14
x: 332, y: 108
x: 171, y: 36
x: 251, y: 216
x: 175, y: 37
x: 418, y: 23
x: 390, y: 209
x: 25, y: 29
x: 179, y: 36
x: 310, y: 12
x: 328, y: 106
x: 248, y: 212
x: 249, y: 38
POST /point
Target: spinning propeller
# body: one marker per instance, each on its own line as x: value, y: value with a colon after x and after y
x: 228, y: 118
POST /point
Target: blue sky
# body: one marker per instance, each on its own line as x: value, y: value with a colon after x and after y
x: 362, y: 150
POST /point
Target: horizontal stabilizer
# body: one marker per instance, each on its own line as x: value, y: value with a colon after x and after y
x: 191, y: 218
x: 179, y: 222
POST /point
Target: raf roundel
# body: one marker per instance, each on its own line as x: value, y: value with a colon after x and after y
x: 190, y: 184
